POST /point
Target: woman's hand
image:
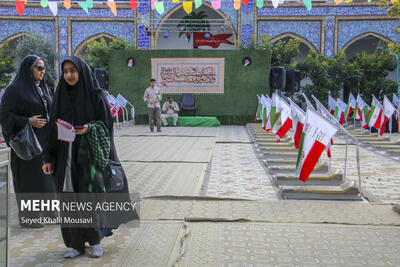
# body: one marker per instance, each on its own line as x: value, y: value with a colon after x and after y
x: 84, y: 130
x: 47, y: 169
x: 37, y: 122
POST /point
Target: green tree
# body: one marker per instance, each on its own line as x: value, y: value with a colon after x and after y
x: 282, y: 52
x: 6, y: 65
x: 97, y: 53
x: 32, y: 45
x: 371, y: 71
x: 326, y: 74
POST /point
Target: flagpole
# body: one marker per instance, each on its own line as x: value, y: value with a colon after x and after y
x: 345, y: 158
x: 335, y: 122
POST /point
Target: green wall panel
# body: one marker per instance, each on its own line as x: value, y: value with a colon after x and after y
x: 237, y: 105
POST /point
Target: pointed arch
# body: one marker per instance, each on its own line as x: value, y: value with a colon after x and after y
x: 295, y: 36
x: 361, y: 36
x: 16, y: 36
x: 85, y: 42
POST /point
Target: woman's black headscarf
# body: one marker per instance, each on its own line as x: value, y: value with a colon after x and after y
x: 77, y: 104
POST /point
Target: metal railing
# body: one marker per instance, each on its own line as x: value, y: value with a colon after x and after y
x: 5, y: 175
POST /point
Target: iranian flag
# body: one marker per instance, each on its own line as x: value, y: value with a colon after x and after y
x: 298, y: 117
x: 396, y: 104
x: 339, y: 110
x: 375, y: 116
x: 332, y: 104
x: 273, y: 114
x: 259, y: 110
x: 317, y: 133
x: 351, y: 105
x: 388, y: 111
x: 266, y: 103
x: 284, y: 121
x: 362, y: 111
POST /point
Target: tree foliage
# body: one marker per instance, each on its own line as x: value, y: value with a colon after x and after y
x: 97, y: 53
x: 32, y: 45
x: 282, y: 52
x: 6, y: 65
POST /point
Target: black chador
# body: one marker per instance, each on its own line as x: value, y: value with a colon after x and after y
x: 23, y: 99
x: 79, y: 104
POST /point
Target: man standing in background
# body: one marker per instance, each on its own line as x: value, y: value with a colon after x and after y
x: 170, y: 107
x: 152, y: 96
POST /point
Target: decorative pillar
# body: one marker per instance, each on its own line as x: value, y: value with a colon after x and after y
x: 329, y: 46
x: 143, y: 40
x: 247, y: 22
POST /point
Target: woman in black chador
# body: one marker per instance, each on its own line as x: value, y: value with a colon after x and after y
x: 79, y: 101
x: 28, y: 99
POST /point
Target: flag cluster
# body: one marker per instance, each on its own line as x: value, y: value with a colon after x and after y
x: 313, y: 130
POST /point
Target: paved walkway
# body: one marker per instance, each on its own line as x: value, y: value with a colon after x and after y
x: 207, y: 201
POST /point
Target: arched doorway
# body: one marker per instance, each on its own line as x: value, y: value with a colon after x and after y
x: 81, y: 49
x: 305, y: 45
x: 13, y: 39
x: 368, y: 43
x: 168, y: 34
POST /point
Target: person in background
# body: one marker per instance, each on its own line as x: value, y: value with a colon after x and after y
x: 171, y: 108
x: 152, y: 96
x: 28, y: 99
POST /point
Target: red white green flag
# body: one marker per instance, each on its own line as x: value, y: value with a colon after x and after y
x: 332, y: 104
x: 317, y: 133
x: 273, y: 114
x: 284, y: 121
x: 266, y: 103
x: 339, y: 110
x: 388, y: 111
x: 376, y: 113
x: 259, y: 110
x: 298, y: 117
x: 351, y: 105
x: 362, y: 111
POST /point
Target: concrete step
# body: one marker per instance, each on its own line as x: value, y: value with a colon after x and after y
x: 275, y: 144
x: 378, y: 143
x: 266, y: 147
x: 282, y: 162
x: 346, y: 191
x: 315, y: 179
x: 320, y: 168
x: 280, y: 155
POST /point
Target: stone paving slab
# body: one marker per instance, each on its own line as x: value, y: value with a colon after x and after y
x: 237, y: 173
x: 380, y: 175
x: 165, y: 148
x: 143, y: 130
x: 160, y: 179
x: 152, y: 244
x: 266, y: 244
x: 270, y: 211
x: 233, y: 134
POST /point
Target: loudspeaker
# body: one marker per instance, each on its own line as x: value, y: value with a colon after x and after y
x: 101, y: 76
x: 292, y: 81
x: 277, y: 78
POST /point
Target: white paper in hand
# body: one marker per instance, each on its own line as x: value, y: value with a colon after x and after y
x: 65, y: 131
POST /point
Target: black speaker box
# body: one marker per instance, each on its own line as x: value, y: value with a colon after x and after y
x: 277, y: 78
x: 292, y: 81
x: 101, y: 76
